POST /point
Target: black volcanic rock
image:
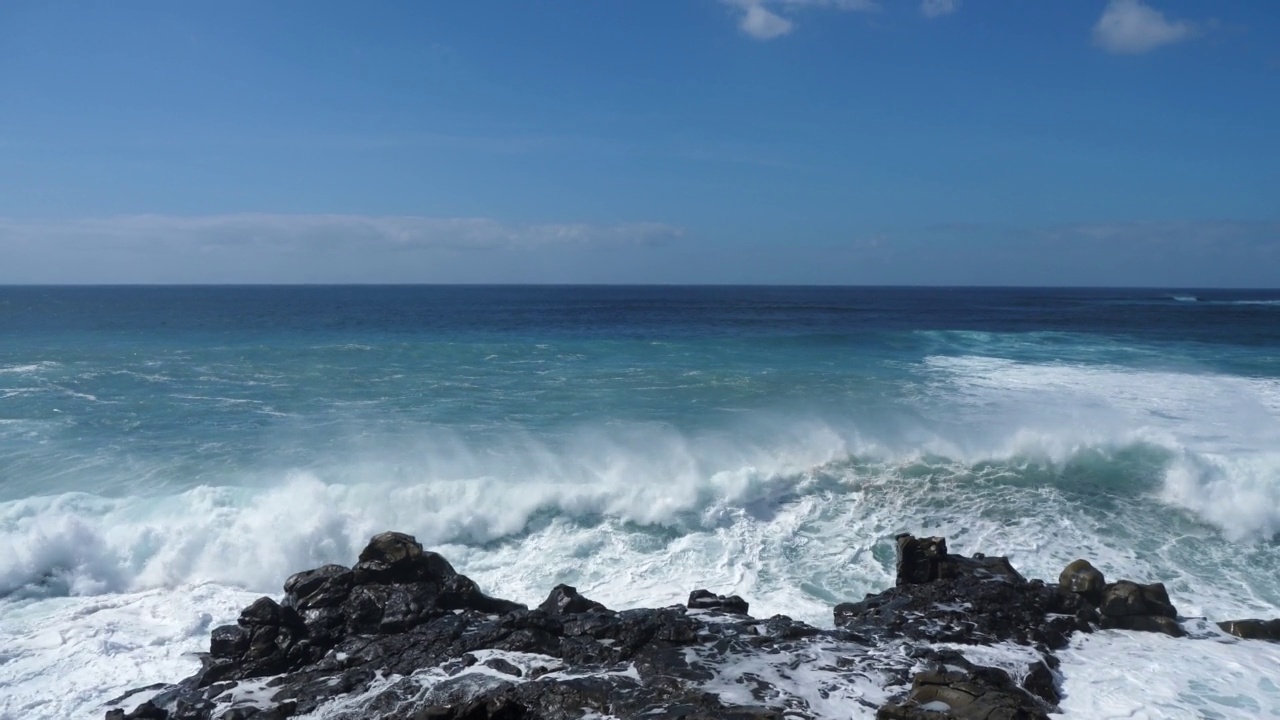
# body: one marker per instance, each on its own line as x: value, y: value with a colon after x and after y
x: 918, y: 559
x: 403, y: 636
x: 1082, y: 578
x: 969, y: 600
x: 323, y: 587
x: 565, y: 600
x: 707, y: 600
x: 952, y: 687
x: 1127, y: 605
x: 1253, y: 629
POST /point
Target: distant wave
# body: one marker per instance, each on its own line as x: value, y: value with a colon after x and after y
x: 29, y: 368
x: 1202, y: 301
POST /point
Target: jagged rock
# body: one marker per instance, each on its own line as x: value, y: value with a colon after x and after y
x: 504, y: 667
x: 145, y: 711
x: 565, y: 600
x: 1123, y: 605
x: 392, y: 548
x: 265, y: 611
x: 707, y: 600
x: 1253, y: 629
x: 1157, y: 599
x: 1127, y: 605
x: 267, y: 639
x: 1127, y: 598
x: 1122, y: 599
x: 918, y: 558
x: 923, y: 560
x: 1144, y: 623
x: 414, y: 639
x: 325, y: 586
x: 395, y: 587
x: 1041, y: 682
x: 394, y: 557
x: 1084, y: 579
x: 969, y: 600
x: 228, y: 641
x: 477, y: 710
x: 952, y: 687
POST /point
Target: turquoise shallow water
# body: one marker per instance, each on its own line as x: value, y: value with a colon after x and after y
x: 166, y: 451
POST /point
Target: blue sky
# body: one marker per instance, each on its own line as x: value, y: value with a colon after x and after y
x: 1080, y: 142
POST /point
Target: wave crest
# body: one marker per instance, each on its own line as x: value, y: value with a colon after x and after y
x: 254, y: 537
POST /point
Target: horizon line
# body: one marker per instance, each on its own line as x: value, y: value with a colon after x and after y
x: 976, y: 286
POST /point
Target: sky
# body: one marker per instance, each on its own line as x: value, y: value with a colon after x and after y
x: 882, y: 142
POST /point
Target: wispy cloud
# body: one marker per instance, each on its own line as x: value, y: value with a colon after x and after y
x: 769, y: 19
x: 937, y: 8
x: 324, y: 232
x: 261, y: 247
x: 1130, y: 27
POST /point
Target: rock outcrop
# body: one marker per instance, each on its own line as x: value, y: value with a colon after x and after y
x: 952, y: 687
x: 1253, y: 629
x: 402, y: 635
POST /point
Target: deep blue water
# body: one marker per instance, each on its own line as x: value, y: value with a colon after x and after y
x: 242, y: 313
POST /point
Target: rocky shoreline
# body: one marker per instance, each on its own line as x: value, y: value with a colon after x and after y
x: 401, y: 635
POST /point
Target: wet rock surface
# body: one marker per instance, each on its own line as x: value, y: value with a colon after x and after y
x: 402, y: 635
x: 951, y: 686
x: 1253, y: 629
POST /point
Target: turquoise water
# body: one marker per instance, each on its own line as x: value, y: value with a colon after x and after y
x: 167, y: 452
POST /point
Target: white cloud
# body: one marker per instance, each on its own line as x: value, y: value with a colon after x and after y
x: 937, y: 8
x: 322, y: 232
x: 762, y: 24
x: 261, y: 247
x: 1129, y: 27
x: 764, y: 19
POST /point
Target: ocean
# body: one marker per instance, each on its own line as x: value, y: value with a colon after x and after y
x: 168, y: 454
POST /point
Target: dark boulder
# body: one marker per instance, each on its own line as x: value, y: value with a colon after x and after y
x: 1082, y: 578
x: 394, y: 557
x: 565, y: 600
x: 145, y: 711
x: 267, y: 612
x: 392, y: 548
x: 1157, y: 599
x: 1144, y: 623
x: 228, y: 641
x: 1122, y: 605
x: 918, y: 559
x: 323, y: 587
x: 1253, y: 629
x: 1122, y: 599
x: 707, y: 600
x: 1127, y: 605
x: 952, y: 687
x: 1042, y: 683
x: 267, y: 639
x: 923, y: 560
x: 497, y: 709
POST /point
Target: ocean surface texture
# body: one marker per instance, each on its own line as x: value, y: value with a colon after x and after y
x: 169, y: 454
